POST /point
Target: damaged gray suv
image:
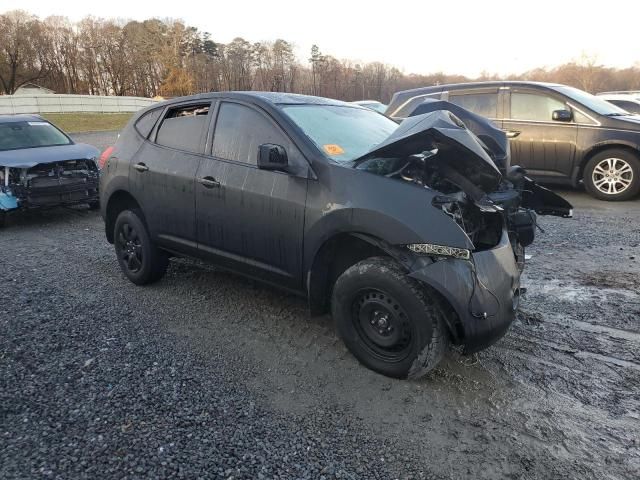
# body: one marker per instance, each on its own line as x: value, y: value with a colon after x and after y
x: 411, y: 235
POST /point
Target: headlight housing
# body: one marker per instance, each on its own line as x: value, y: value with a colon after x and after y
x: 439, y: 250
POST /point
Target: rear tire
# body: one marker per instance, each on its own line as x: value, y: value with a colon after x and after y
x: 140, y: 259
x: 389, y: 321
x: 612, y: 175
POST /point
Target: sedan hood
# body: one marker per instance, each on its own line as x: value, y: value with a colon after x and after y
x: 30, y: 157
x: 446, y: 132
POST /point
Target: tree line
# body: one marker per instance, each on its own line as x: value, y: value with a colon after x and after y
x: 166, y: 57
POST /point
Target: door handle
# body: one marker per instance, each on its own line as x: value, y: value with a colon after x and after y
x: 209, y: 182
x: 141, y: 167
x: 512, y: 133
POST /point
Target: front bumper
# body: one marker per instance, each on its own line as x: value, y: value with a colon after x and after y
x: 54, y: 193
x: 483, y: 291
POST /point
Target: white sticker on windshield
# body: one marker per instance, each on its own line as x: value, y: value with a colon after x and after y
x: 37, y: 124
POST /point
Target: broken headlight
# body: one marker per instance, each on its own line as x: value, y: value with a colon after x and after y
x: 439, y: 250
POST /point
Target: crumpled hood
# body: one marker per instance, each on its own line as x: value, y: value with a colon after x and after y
x: 443, y: 130
x: 29, y: 157
x: 493, y: 138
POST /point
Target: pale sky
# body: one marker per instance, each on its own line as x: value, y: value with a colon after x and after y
x: 454, y: 36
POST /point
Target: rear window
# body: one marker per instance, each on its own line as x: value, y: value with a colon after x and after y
x: 183, y: 126
x: 16, y: 135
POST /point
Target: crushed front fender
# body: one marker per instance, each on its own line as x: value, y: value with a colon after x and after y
x: 483, y: 291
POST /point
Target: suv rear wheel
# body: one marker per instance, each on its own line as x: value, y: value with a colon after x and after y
x: 387, y: 320
x: 140, y: 259
x: 613, y: 175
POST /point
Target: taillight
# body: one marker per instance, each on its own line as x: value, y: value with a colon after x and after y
x: 104, y: 157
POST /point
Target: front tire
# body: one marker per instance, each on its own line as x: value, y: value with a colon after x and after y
x: 613, y: 175
x: 387, y: 320
x: 140, y: 259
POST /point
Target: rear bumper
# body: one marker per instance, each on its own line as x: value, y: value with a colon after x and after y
x: 485, y: 301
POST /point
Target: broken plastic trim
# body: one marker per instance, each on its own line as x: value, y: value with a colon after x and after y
x: 441, y: 250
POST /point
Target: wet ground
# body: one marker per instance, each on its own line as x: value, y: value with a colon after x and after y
x: 558, y: 397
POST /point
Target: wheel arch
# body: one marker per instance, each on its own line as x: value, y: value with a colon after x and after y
x: 332, y: 258
x: 118, y: 201
x: 601, y: 147
x: 343, y: 250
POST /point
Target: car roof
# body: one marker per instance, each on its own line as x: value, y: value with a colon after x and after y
x: 401, y: 98
x: 21, y: 118
x: 494, y: 83
x: 271, y: 98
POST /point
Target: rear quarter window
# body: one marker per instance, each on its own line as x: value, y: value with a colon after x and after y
x: 146, y: 122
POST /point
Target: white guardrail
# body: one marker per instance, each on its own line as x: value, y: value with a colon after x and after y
x: 54, y: 103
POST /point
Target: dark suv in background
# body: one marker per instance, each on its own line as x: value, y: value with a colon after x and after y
x: 558, y: 133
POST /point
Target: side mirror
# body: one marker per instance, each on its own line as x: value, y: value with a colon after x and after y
x: 272, y: 157
x: 562, y: 115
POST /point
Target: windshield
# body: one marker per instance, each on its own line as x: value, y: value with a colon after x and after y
x: 342, y: 133
x: 15, y: 135
x: 592, y: 102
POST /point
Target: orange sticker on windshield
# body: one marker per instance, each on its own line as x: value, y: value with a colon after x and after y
x: 333, y: 149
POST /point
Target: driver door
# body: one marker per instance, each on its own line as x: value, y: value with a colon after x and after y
x: 250, y: 219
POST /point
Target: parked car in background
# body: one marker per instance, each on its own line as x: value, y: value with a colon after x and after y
x: 630, y: 103
x: 560, y: 134
x: 40, y: 166
x: 407, y: 233
x: 372, y: 104
x: 633, y: 93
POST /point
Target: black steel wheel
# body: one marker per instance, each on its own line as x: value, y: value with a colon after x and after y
x: 390, y: 322
x: 140, y: 259
x: 385, y: 329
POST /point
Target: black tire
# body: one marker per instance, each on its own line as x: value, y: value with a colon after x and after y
x: 612, y: 162
x: 387, y: 320
x: 140, y: 259
x: 94, y: 205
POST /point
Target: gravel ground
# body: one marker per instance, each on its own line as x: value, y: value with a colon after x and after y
x: 208, y: 375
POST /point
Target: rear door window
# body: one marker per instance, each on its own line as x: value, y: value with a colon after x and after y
x: 533, y: 106
x: 240, y: 130
x: 485, y: 104
x: 183, y: 127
